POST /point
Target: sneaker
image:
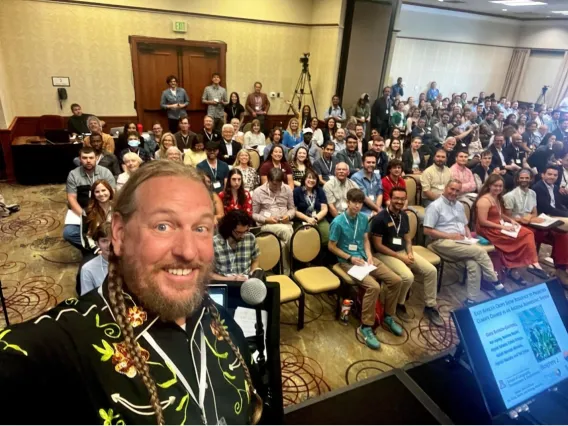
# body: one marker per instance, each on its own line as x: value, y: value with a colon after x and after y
x: 433, y: 316
x: 392, y: 326
x: 499, y: 289
x: 369, y: 337
x: 402, y: 313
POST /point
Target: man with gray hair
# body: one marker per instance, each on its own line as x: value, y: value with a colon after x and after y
x: 96, y: 126
x: 229, y: 148
x: 445, y: 222
x: 336, y: 190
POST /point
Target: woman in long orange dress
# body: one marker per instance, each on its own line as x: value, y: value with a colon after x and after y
x: 491, y: 219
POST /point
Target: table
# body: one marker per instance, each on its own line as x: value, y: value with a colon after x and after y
x: 37, y: 162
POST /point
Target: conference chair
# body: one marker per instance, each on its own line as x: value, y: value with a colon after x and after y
x: 50, y: 122
x: 270, y: 256
x: 413, y: 195
x: 254, y: 158
x: 305, y: 246
x: 247, y: 127
x: 421, y: 251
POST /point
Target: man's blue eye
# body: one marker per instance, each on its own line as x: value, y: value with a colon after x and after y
x: 162, y: 227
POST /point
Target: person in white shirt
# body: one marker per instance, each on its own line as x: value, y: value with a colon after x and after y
x: 94, y: 272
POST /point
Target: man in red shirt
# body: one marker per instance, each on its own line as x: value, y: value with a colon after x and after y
x: 393, y: 179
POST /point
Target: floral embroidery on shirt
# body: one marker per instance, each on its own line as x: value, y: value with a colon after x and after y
x: 122, y: 362
x: 136, y: 316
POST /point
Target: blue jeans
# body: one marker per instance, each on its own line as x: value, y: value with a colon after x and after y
x: 72, y: 234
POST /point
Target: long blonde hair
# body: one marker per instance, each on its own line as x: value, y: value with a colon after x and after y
x: 242, y: 151
x: 163, y: 150
x: 298, y: 131
x: 125, y: 207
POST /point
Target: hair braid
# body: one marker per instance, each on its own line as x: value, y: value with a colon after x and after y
x: 118, y: 307
x: 257, y: 413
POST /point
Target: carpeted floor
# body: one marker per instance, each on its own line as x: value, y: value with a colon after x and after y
x: 38, y: 270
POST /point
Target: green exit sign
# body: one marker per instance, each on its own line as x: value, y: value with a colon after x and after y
x: 180, y: 26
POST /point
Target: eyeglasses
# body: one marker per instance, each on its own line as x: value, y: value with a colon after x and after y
x: 402, y: 200
x: 240, y: 233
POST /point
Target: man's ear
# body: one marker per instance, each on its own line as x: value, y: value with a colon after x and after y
x: 117, y: 226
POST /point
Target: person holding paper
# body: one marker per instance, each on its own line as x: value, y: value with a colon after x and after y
x: 349, y: 241
x: 492, y: 220
x: 521, y: 204
x: 390, y: 237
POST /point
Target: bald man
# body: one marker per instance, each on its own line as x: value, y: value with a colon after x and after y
x: 336, y: 190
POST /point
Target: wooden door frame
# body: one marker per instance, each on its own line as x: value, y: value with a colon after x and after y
x: 136, y: 40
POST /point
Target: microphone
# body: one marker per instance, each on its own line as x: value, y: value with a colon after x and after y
x: 253, y: 291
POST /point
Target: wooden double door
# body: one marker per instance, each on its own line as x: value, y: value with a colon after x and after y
x: 192, y: 62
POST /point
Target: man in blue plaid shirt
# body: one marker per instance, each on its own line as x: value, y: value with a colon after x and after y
x: 236, y: 251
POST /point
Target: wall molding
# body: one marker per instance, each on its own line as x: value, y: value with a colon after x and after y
x: 185, y: 13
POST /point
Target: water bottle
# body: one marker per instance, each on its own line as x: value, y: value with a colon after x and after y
x: 345, y: 309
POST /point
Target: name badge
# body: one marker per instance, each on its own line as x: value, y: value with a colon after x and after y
x: 344, y: 205
x: 217, y: 185
x: 518, y: 161
x: 257, y: 108
x: 397, y: 241
x: 314, y: 215
x: 372, y: 197
x: 266, y: 214
x: 352, y: 247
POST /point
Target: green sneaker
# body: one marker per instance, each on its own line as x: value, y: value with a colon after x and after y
x: 369, y: 337
x: 393, y: 326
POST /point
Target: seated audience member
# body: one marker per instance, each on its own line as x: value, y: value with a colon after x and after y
x: 94, y: 272
x: 548, y: 197
x: 273, y: 208
x: 563, y: 174
x: 98, y: 212
x: 336, y: 191
x: 95, y: 126
x: 349, y: 241
x: 449, y: 146
x: 370, y: 183
x: 254, y: 137
x: 487, y: 128
x: 393, y: 179
x: 238, y: 136
x: 549, y: 152
x: 521, y: 205
x: 276, y: 159
x: 491, y: 219
x: 78, y: 190
x: 228, y: 147
x: 311, y: 205
x: 235, y: 196
x: 441, y: 129
x: 218, y: 209
x: 362, y: 143
x: 561, y: 132
x: 339, y: 140
x: 300, y: 164
x: 531, y: 138
x: 413, y: 117
x: 460, y: 171
x: 419, y: 130
x: 167, y: 140
x: 515, y: 155
x: 208, y: 133
x: 152, y: 144
x: 196, y: 154
x: 336, y: 111
x: 395, y: 134
x: 77, y: 123
x: 174, y: 154
x: 413, y: 160
x: 244, y: 164
x: 394, y: 150
x: 498, y: 160
x: 391, y: 242
x: 325, y: 165
x: 217, y: 170
x: 329, y: 129
x: 126, y: 130
x: 435, y: 178
x: 132, y: 162
x: 377, y: 147
x: 275, y: 140
x: 445, y: 223
x: 234, y: 109
x: 134, y: 147
x: 235, y: 247
x: 184, y: 137
x: 293, y: 134
x: 350, y: 155
x: 398, y: 120
x: 313, y: 149
x: 104, y: 158
x: 316, y: 131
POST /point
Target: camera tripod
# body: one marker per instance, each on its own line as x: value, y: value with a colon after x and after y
x: 300, y: 91
x: 542, y: 97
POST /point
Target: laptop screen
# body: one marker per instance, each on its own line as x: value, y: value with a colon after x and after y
x: 218, y: 293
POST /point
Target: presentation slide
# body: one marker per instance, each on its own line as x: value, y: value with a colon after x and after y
x: 525, y: 341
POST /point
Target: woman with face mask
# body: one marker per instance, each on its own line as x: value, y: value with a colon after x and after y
x: 133, y: 139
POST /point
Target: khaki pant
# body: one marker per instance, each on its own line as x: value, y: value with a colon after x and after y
x: 372, y: 289
x: 284, y: 233
x: 476, y: 259
x: 420, y: 266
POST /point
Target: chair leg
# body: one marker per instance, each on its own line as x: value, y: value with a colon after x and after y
x: 338, y: 304
x: 301, y: 308
x: 3, y: 302
x: 440, y: 273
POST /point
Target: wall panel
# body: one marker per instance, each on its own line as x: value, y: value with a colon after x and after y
x: 542, y: 69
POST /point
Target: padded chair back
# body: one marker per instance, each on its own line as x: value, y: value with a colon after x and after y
x: 254, y: 158
x: 467, y: 210
x: 270, y: 250
x: 410, y: 190
x: 426, y: 158
x: 50, y: 122
x: 413, y: 224
x: 247, y: 127
x: 306, y: 243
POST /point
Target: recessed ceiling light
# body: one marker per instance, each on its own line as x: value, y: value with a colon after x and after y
x: 560, y: 12
x: 504, y: 10
x: 519, y: 2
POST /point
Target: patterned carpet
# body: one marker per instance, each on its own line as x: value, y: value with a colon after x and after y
x: 38, y: 270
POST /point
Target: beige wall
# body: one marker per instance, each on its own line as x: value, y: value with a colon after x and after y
x: 366, y: 51
x: 544, y: 35
x: 90, y: 45
x: 6, y: 108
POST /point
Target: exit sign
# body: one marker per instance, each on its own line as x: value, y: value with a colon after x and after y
x: 180, y: 26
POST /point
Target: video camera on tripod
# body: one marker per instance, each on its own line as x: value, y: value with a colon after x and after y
x: 300, y: 90
x: 305, y: 61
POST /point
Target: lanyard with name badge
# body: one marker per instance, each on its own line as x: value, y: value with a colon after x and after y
x: 216, y: 184
x: 353, y: 247
x: 396, y: 241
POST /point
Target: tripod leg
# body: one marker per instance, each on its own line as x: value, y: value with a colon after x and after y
x: 3, y: 301
x: 296, y: 93
x: 312, y: 94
